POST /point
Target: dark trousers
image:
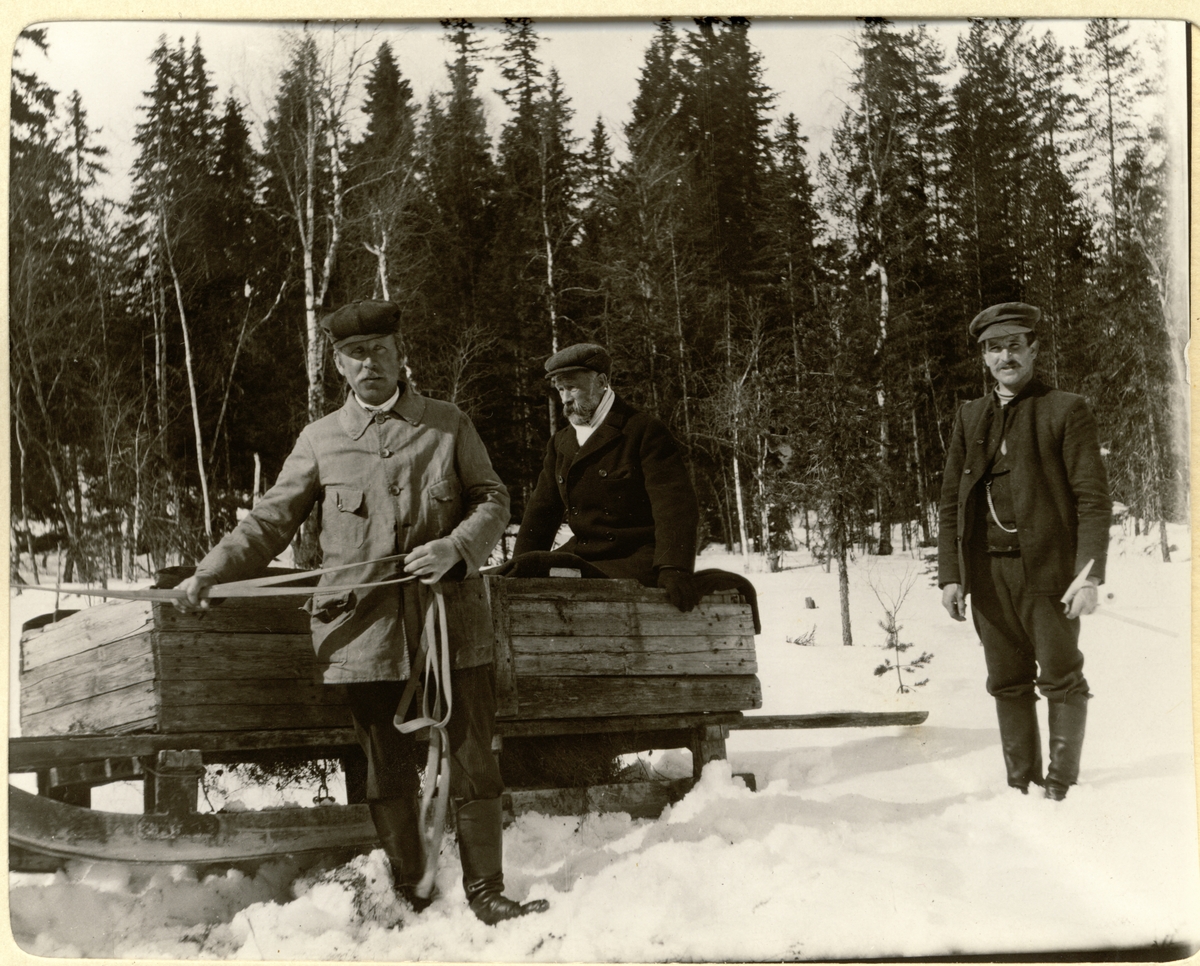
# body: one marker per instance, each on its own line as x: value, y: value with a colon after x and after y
x: 1027, y: 639
x: 395, y: 761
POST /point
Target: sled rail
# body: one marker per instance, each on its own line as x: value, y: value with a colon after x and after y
x: 832, y: 719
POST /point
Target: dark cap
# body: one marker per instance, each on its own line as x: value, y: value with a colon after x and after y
x: 364, y: 319
x: 584, y: 355
x: 1007, y: 318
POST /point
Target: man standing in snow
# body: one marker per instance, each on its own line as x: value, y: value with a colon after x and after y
x: 1025, y: 511
x: 394, y: 473
x: 617, y: 477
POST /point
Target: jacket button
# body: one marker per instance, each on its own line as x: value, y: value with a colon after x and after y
x: 966, y: 471
x: 979, y: 441
x: 560, y: 479
x: 385, y: 453
x: 394, y: 489
x: 604, y: 472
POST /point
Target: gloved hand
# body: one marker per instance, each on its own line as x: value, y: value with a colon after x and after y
x: 680, y: 588
x: 506, y: 569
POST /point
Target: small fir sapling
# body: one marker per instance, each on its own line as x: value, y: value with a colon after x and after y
x: 891, y: 608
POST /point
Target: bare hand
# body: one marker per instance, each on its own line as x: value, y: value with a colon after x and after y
x: 430, y: 561
x: 196, y: 587
x: 953, y: 601
x: 1083, y: 601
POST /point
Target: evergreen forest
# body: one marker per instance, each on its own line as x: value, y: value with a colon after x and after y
x: 799, y: 322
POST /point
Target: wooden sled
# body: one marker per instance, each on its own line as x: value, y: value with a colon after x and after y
x: 136, y: 690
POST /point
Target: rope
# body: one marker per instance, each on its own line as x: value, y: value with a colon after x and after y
x: 434, y: 650
x: 254, y: 587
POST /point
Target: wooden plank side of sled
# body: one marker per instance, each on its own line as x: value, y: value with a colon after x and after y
x: 832, y: 719
x: 599, y: 697
x: 663, y: 654
x: 45, y: 827
x: 601, y: 618
x: 34, y: 753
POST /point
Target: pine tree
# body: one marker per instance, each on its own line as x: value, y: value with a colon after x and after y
x: 173, y: 210
x: 460, y: 186
x: 385, y: 175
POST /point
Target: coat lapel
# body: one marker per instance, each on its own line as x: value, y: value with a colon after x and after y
x: 606, y: 432
x: 597, y: 441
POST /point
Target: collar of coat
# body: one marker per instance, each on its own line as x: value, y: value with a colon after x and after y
x: 354, y: 419
x: 1032, y: 388
x: 610, y: 429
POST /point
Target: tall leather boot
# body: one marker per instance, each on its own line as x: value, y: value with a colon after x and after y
x: 1020, y: 740
x: 396, y: 825
x: 480, y: 846
x: 1068, y: 719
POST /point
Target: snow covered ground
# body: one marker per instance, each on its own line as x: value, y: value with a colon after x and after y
x: 859, y: 843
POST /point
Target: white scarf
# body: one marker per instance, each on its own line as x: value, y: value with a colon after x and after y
x: 582, y: 433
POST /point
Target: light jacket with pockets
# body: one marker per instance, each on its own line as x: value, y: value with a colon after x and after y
x: 384, y: 484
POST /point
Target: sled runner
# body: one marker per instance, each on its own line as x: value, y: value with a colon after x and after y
x: 133, y: 689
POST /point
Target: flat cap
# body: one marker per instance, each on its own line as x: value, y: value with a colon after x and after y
x: 583, y: 355
x: 364, y: 319
x: 1007, y: 318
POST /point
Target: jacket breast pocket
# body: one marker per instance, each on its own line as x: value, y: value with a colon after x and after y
x: 444, y: 499
x: 344, y: 518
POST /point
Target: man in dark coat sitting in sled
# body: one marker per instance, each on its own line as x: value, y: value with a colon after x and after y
x: 617, y: 477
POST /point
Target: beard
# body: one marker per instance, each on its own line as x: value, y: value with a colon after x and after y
x: 578, y: 414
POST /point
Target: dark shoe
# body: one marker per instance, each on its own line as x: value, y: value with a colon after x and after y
x: 396, y: 825
x: 408, y: 892
x: 481, y: 846
x: 1020, y: 740
x: 1068, y: 721
x: 491, y: 906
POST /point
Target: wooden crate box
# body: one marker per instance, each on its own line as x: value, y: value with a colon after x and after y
x: 571, y: 649
x: 140, y: 666
x: 567, y: 650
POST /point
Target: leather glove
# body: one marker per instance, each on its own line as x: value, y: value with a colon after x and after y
x: 680, y: 588
x: 507, y: 569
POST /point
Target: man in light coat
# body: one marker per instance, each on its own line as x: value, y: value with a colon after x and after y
x: 617, y: 477
x: 1025, y: 510
x: 392, y: 472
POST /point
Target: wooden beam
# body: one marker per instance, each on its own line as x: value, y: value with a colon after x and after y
x: 43, y: 827
x: 668, y: 654
x: 31, y: 754
x: 96, y: 772
x: 833, y: 719
x: 630, y: 723
x: 599, y: 697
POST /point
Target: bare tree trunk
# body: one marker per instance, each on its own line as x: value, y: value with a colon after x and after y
x: 16, y: 424
x: 741, y: 506
x: 683, y: 382
x: 844, y: 591
x: 921, y: 501
x: 764, y: 507
x: 191, y: 378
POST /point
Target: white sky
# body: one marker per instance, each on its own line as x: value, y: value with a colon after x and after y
x: 807, y: 64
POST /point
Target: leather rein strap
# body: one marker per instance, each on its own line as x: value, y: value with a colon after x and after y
x: 273, y: 586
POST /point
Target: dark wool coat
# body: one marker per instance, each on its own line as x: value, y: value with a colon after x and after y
x: 1059, y: 488
x: 626, y: 495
